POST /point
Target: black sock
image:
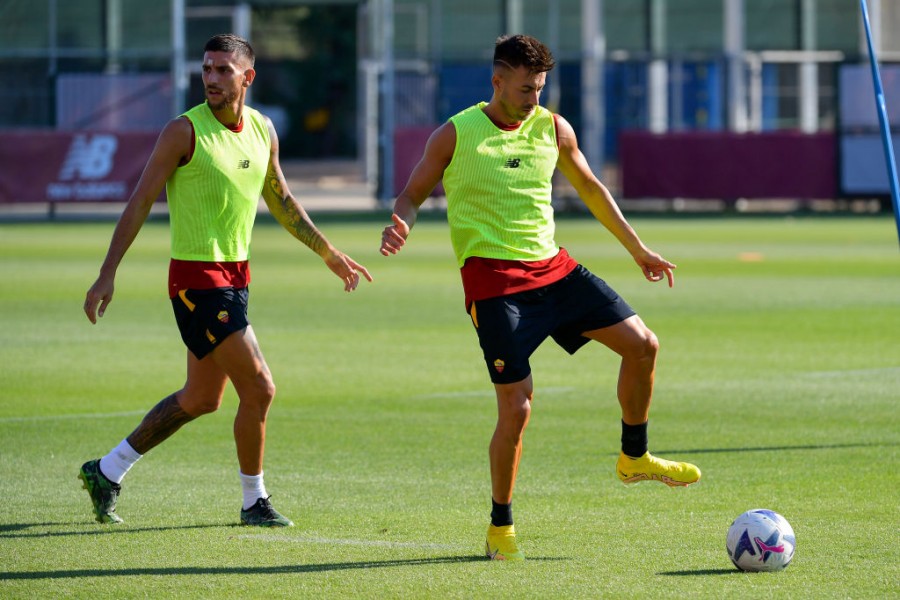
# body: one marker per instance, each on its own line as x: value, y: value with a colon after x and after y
x: 634, y: 440
x: 501, y: 514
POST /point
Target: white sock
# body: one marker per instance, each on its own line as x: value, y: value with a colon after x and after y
x: 253, y: 488
x: 121, y: 458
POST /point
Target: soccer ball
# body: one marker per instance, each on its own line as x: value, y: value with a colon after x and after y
x: 760, y: 540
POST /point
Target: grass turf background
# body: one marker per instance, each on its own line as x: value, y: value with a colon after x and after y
x: 778, y: 375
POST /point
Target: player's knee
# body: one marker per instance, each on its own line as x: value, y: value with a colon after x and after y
x: 269, y: 391
x: 197, y: 405
x: 651, y: 344
x: 516, y: 414
x: 522, y: 412
x: 263, y: 392
x: 645, y: 347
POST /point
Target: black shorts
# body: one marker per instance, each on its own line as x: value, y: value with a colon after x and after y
x: 206, y: 317
x: 510, y: 328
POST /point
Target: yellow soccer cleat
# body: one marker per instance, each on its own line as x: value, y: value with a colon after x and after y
x: 651, y: 468
x: 501, y: 543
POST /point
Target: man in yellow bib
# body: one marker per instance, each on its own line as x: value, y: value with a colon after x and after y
x: 215, y: 161
x: 496, y: 160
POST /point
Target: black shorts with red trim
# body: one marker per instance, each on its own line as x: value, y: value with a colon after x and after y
x: 206, y: 317
x: 510, y: 328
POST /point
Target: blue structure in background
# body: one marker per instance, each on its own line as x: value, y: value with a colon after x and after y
x: 460, y: 86
x: 701, y: 95
x: 625, y: 99
x: 770, y: 97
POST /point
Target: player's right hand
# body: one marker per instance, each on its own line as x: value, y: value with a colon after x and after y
x: 394, y: 236
x: 655, y: 267
x: 347, y: 269
x: 100, y: 295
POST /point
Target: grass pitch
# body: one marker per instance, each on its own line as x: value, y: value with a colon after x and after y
x: 779, y: 376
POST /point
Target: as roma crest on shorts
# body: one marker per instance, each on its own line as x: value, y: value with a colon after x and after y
x: 223, y: 316
x: 499, y: 365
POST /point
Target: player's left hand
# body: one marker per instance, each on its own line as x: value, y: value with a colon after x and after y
x: 347, y: 269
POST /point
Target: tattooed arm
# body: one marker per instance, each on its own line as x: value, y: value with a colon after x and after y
x: 288, y: 211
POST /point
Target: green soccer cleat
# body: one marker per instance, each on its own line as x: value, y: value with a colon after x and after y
x: 501, y: 544
x: 103, y: 492
x: 262, y: 514
x: 651, y: 468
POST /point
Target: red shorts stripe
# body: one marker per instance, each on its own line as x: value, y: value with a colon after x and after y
x: 201, y: 275
x: 485, y: 278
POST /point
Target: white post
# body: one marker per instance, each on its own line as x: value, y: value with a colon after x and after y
x: 593, y: 44
x: 513, y: 22
x: 553, y: 87
x: 241, y: 20
x: 241, y: 26
x: 113, y: 35
x: 387, y: 100
x: 755, y: 68
x: 809, y: 70
x: 734, y: 51
x: 875, y: 18
x: 179, y: 64
x: 658, y: 72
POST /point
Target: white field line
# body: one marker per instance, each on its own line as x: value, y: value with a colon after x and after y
x: 348, y: 542
x: 129, y: 413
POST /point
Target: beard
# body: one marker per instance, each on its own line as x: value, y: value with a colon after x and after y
x: 224, y: 99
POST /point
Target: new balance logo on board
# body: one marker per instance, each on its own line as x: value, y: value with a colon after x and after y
x: 89, y: 157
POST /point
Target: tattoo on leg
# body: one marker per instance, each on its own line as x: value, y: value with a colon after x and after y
x: 162, y: 421
x: 257, y: 353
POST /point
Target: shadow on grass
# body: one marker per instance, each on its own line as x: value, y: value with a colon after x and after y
x: 775, y: 448
x: 701, y: 572
x: 19, y: 530
x: 270, y: 570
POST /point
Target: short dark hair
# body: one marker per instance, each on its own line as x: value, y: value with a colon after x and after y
x: 523, y: 51
x: 228, y: 42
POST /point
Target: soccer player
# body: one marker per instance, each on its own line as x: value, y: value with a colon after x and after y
x: 215, y: 161
x: 497, y: 160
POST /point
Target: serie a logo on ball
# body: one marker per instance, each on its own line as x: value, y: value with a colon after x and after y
x: 760, y: 540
